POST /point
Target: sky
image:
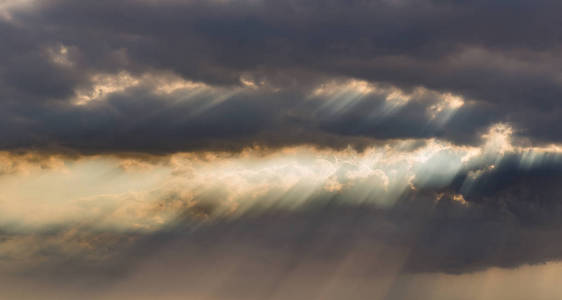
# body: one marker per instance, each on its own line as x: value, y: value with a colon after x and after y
x: 280, y: 149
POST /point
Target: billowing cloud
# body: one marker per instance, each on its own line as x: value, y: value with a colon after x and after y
x: 180, y: 76
x: 453, y: 208
x: 302, y: 144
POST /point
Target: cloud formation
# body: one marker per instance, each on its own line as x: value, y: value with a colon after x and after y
x: 278, y: 140
x: 453, y: 209
x: 182, y: 76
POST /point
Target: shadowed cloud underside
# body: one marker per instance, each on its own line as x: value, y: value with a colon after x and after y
x: 280, y: 149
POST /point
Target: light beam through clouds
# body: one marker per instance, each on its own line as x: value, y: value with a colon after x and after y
x: 277, y: 149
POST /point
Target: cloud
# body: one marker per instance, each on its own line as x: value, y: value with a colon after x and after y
x: 259, y: 62
x: 447, y: 208
x: 355, y: 138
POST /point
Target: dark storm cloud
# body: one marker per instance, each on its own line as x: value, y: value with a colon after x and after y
x: 138, y: 120
x: 89, y: 77
x: 503, y: 56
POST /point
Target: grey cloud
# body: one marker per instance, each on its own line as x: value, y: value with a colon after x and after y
x: 137, y: 120
x: 479, y: 50
x: 501, y: 57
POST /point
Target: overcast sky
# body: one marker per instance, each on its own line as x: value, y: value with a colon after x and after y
x: 280, y: 149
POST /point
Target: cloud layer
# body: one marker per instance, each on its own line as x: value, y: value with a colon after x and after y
x: 314, y: 147
x: 452, y: 209
x: 243, y: 72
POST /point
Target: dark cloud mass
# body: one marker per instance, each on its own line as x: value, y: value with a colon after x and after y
x: 500, y: 56
x: 276, y: 149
